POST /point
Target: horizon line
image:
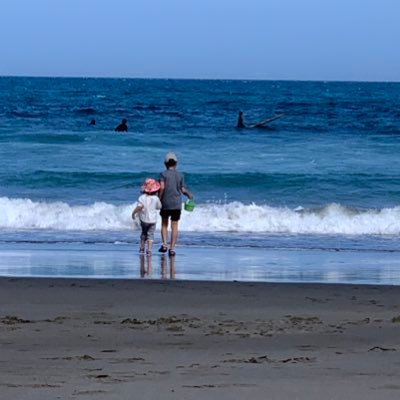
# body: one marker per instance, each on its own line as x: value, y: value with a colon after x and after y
x: 199, y: 79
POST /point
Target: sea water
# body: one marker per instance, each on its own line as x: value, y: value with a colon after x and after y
x: 323, y: 178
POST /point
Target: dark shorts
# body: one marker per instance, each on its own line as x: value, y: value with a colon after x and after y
x: 174, y: 214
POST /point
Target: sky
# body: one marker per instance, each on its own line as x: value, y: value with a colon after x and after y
x: 202, y: 39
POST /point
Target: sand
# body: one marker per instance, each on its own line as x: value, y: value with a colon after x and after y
x: 68, y: 260
x: 121, y: 339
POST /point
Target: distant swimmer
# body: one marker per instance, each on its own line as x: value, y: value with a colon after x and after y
x: 122, y: 127
x: 92, y: 122
x: 240, y: 122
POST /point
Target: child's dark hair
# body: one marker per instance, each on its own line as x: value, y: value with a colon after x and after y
x: 170, y: 163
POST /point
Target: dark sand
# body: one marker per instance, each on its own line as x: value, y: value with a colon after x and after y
x: 120, y: 339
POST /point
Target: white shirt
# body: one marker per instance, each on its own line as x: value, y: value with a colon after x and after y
x: 150, y: 205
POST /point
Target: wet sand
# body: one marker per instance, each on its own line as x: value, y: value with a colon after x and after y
x: 67, y: 260
x: 120, y: 339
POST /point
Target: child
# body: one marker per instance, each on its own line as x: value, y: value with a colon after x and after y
x: 147, y: 206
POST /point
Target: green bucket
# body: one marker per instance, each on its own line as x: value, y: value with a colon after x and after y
x: 189, y: 205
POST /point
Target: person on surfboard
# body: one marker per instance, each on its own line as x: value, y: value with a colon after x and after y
x: 240, y: 122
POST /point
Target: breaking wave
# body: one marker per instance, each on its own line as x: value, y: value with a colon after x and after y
x: 331, y: 219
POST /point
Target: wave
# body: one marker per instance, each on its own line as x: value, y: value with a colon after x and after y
x: 51, y: 138
x: 256, y: 180
x: 28, y: 114
x: 86, y: 110
x: 56, y: 179
x: 332, y: 219
x: 147, y: 107
x: 27, y: 214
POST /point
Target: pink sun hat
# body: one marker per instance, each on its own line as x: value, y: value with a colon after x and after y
x: 150, y: 185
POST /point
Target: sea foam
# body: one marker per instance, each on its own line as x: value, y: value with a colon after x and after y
x: 231, y: 217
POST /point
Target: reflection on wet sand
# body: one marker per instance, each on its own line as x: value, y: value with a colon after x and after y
x: 146, y: 266
x: 206, y: 264
x: 164, y: 267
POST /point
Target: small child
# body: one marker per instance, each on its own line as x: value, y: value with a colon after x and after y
x: 147, y: 206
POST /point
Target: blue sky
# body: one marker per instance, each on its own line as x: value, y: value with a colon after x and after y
x: 228, y: 39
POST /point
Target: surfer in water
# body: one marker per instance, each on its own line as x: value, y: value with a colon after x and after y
x: 122, y: 127
x: 240, y: 123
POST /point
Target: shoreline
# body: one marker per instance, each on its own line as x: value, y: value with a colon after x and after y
x: 107, y: 339
x: 199, y: 263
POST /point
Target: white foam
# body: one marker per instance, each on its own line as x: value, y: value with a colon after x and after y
x: 331, y: 219
x: 26, y: 214
x: 231, y: 217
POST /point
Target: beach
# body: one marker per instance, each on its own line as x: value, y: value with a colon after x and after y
x: 113, y: 339
x: 286, y: 279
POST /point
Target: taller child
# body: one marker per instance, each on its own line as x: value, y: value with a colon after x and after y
x: 172, y: 187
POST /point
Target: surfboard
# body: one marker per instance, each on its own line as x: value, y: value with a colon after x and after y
x: 266, y: 121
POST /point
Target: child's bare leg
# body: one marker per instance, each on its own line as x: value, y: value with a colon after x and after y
x: 149, y: 246
x: 142, y: 244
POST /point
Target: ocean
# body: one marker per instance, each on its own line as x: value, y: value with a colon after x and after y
x: 323, y: 178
